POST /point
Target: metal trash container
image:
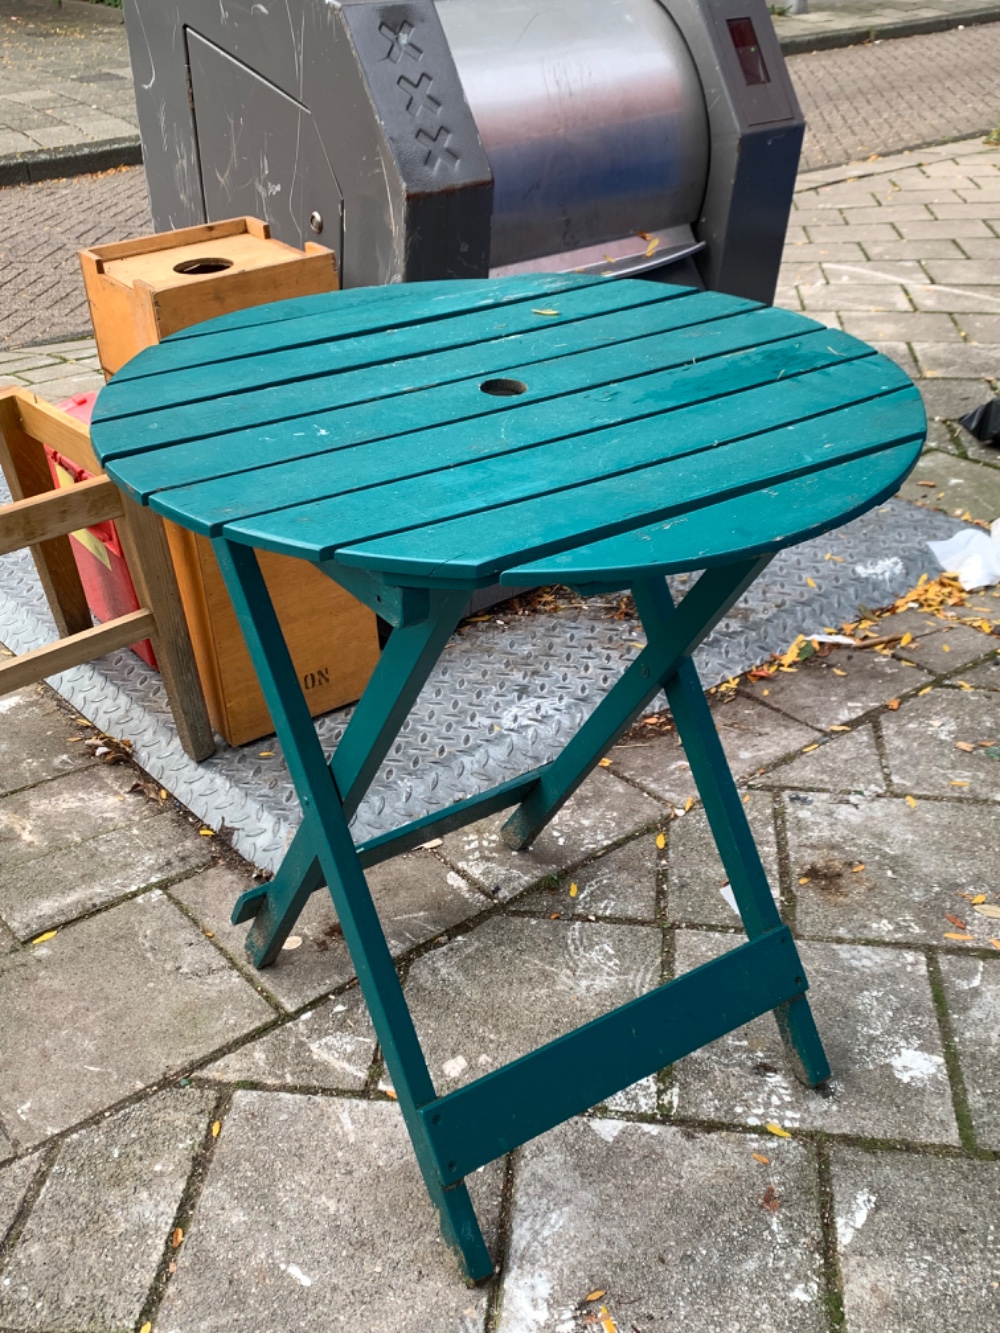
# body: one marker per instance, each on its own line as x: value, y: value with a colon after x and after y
x: 457, y: 138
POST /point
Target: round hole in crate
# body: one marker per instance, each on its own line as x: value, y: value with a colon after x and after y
x: 504, y: 388
x: 198, y: 267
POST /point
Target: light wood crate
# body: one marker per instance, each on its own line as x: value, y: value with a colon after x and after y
x: 139, y: 292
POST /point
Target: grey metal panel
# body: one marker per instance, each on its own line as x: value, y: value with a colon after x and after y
x: 753, y: 159
x: 592, y: 116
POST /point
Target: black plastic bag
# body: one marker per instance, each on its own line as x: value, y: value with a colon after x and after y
x: 984, y: 422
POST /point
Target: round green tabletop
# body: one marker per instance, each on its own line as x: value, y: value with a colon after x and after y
x: 525, y: 430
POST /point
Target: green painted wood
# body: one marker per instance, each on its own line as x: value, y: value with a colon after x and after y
x: 667, y: 646
x: 509, y: 1106
x: 150, y: 413
x: 788, y: 513
x: 501, y: 512
x: 483, y: 545
x: 334, y: 849
x: 578, y: 359
x: 562, y: 405
x: 347, y: 315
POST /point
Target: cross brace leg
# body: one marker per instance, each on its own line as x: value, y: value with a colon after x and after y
x: 326, y: 840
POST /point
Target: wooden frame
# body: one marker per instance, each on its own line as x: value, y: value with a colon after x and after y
x: 41, y: 517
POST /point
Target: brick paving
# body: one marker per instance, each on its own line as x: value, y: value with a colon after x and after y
x: 192, y: 1145
x: 835, y: 23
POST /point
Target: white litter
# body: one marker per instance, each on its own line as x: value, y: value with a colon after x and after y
x: 833, y: 638
x: 730, y: 897
x: 972, y: 555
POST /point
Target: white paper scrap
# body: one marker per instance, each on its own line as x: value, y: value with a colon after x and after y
x: 972, y: 555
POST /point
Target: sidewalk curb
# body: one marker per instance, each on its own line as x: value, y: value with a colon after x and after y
x: 795, y: 44
x: 75, y: 160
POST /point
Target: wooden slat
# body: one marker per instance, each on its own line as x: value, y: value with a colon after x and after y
x: 488, y: 488
x: 349, y: 309
x: 481, y: 545
x: 23, y: 463
x: 768, y: 519
x: 42, y: 517
x: 74, y: 650
x: 315, y: 378
x: 642, y: 347
x: 58, y: 430
x: 569, y: 398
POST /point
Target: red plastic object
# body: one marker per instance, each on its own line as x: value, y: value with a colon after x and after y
x: 97, y: 551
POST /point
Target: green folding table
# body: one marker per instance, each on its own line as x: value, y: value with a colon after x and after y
x: 418, y: 442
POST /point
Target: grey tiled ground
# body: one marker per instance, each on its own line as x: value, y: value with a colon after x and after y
x: 138, y: 1027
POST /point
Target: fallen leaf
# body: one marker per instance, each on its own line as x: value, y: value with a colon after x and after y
x: 911, y: 803
x: 842, y: 727
x: 644, y: 235
x: 216, y: 1128
x: 146, y: 1328
x: 429, y: 846
x: 811, y: 582
x: 653, y: 246
x: 979, y: 898
x: 837, y: 672
x: 176, y: 1237
x: 804, y: 879
x: 926, y: 690
x: 688, y: 804
x: 163, y: 793
x: 554, y: 916
x: 759, y: 1157
x: 207, y: 832
x: 926, y: 483
x: 266, y: 754
x: 906, y: 639
x: 955, y: 921
x: 772, y: 1128
x: 604, y: 763
x: 545, y: 312
x: 809, y: 748
x: 594, y: 1296
x: 293, y: 942
x: 958, y: 782
x: 770, y: 1201
x: 40, y: 939
x: 950, y: 935
x: 995, y: 943
x: 967, y: 746
x: 860, y: 866
x: 988, y: 909
x: 391, y: 1095
x: 573, y: 890
x: 892, y: 704
x: 661, y: 841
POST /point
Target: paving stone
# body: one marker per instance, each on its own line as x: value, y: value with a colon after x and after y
x: 515, y: 983
x: 917, y: 865
x: 415, y: 895
x: 314, y: 1216
x: 669, y: 1224
x: 951, y: 399
x: 34, y: 741
x: 901, y: 354
x: 920, y: 740
x: 108, y: 1006
x: 946, y: 647
x: 939, y: 248
x: 103, y: 1217
x: 956, y: 360
x: 873, y: 296
x: 984, y: 677
x: 814, y: 692
x: 917, y: 1242
x: 67, y: 810
x: 695, y: 873
x: 619, y: 884
x: 848, y: 762
x: 972, y: 989
x: 983, y: 300
x: 963, y: 272
x: 806, y: 252
x: 602, y: 811
x: 875, y: 1014
x: 48, y: 890
x: 901, y: 326
x: 982, y: 328
x: 6, y: 1147
x: 14, y: 1182
x: 752, y: 736
x: 331, y: 1046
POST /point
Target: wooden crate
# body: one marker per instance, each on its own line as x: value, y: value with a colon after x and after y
x: 139, y: 292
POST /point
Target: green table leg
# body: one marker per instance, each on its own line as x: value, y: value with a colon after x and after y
x: 331, y: 843
x: 728, y: 821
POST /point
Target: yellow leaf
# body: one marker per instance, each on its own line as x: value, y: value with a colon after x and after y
x: 906, y: 639
x: 40, y: 939
x: 594, y: 1296
x: 163, y: 793
x: 811, y: 582
x: 661, y: 841
x: 837, y: 672
x: 653, y: 246
x: 146, y: 1328
x: 266, y: 754
x: 545, y: 312
x: 609, y: 1325
x: 911, y: 803
x: 689, y: 803
x: 772, y: 1128
x: 573, y: 890
x: 391, y: 1095
x: 216, y: 1128
x: 958, y: 782
x: 207, y: 832
x: 950, y: 935
x: 177, y: 1237
x: 766, y: 691
x: 946, y: 647
x: 995, y: 943
x: 759, y: 1157
x: 979, y: 898
x: 840, y: 728
x: 858, y: 867
x: 926, y: 690
x: 604, y: 763
x: 804, y: 879
x: 808, y: 748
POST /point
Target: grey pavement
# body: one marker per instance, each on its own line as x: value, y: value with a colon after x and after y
x: 189, y: 1145
x: 834, y: 23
